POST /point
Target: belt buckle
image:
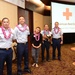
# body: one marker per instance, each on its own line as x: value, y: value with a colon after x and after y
x: 25, y: 43
x: 7, y: 48
x: 57, y: 38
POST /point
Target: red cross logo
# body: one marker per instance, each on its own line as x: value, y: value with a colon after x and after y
x: 67, y: 14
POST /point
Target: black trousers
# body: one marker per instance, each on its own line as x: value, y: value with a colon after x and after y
x: 56, y: 44
x: 45, y: 45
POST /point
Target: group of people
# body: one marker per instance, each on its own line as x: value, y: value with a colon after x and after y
x: 40, y: 39
x: 43, y: 39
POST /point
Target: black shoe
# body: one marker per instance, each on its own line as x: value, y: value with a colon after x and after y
x: 19, y: 73
x: 59, y: 59
x: 48, y: 60
x: 43, y: 60
x: 27, y: 70
x: 53, y: 58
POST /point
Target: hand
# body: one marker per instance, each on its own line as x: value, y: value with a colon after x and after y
x: 61, y: 42
x: 45, y: 36
x: 33, y: 46
x: 37, y: 46
x: 51, y: 42
x: 27, y: 28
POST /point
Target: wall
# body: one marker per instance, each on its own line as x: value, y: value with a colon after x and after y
x: 10, y: 11
x: 47, y: 20
x: 37, y: 20
x: 40, y: 20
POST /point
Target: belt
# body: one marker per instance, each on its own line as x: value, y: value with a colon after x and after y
x: 23, y: 43
x: 5, y: 48
x: 56, y: 38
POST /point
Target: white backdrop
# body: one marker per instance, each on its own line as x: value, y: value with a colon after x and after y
x: 20, y: 3
x: 65, y: 15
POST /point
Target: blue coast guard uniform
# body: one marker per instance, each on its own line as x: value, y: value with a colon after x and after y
x: 56, y: 40
x: 45, y: 45
x: 5, y: 52
x: 22, y: 48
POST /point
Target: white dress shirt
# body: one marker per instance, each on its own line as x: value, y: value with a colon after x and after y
x: 6, y: 43
x: 57, y: 35
x: 21, y: 37
x: 48, y: 33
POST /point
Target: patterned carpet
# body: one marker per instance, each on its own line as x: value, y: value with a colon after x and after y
x: 55, y: 67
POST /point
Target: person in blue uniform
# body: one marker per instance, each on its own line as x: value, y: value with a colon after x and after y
x: 57, y: 40
x: 46, y: 43
x: 6, y: 37
x: 21, y: 33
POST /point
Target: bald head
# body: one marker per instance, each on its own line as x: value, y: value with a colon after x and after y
x: 56, y: 24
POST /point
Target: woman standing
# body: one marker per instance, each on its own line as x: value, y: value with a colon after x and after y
x: 6, y: 36
x: 36, y: 44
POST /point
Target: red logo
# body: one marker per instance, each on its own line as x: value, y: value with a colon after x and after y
x: 67, y: 14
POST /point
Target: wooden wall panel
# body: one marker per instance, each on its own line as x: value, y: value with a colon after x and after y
x: 29, y: 21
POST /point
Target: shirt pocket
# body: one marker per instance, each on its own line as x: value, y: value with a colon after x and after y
x: 1, y: 37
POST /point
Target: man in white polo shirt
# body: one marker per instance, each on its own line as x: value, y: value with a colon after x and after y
x: 46, y: 43
x: 6, y: 37
x: 57, y: 40
x: 21, y: 33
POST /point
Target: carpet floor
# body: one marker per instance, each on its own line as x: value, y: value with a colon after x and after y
x: 54, y: 67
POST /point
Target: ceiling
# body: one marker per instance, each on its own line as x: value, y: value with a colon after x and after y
x: 48, y: 2
x: 40, y: 6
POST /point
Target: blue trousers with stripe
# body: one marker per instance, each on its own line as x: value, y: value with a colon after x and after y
x: 6, y: 56
x: 22, y: 51
x: 45, y: 45
x: 56, y: 44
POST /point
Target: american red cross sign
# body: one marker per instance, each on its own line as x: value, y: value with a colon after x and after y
x: 67, y: 14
